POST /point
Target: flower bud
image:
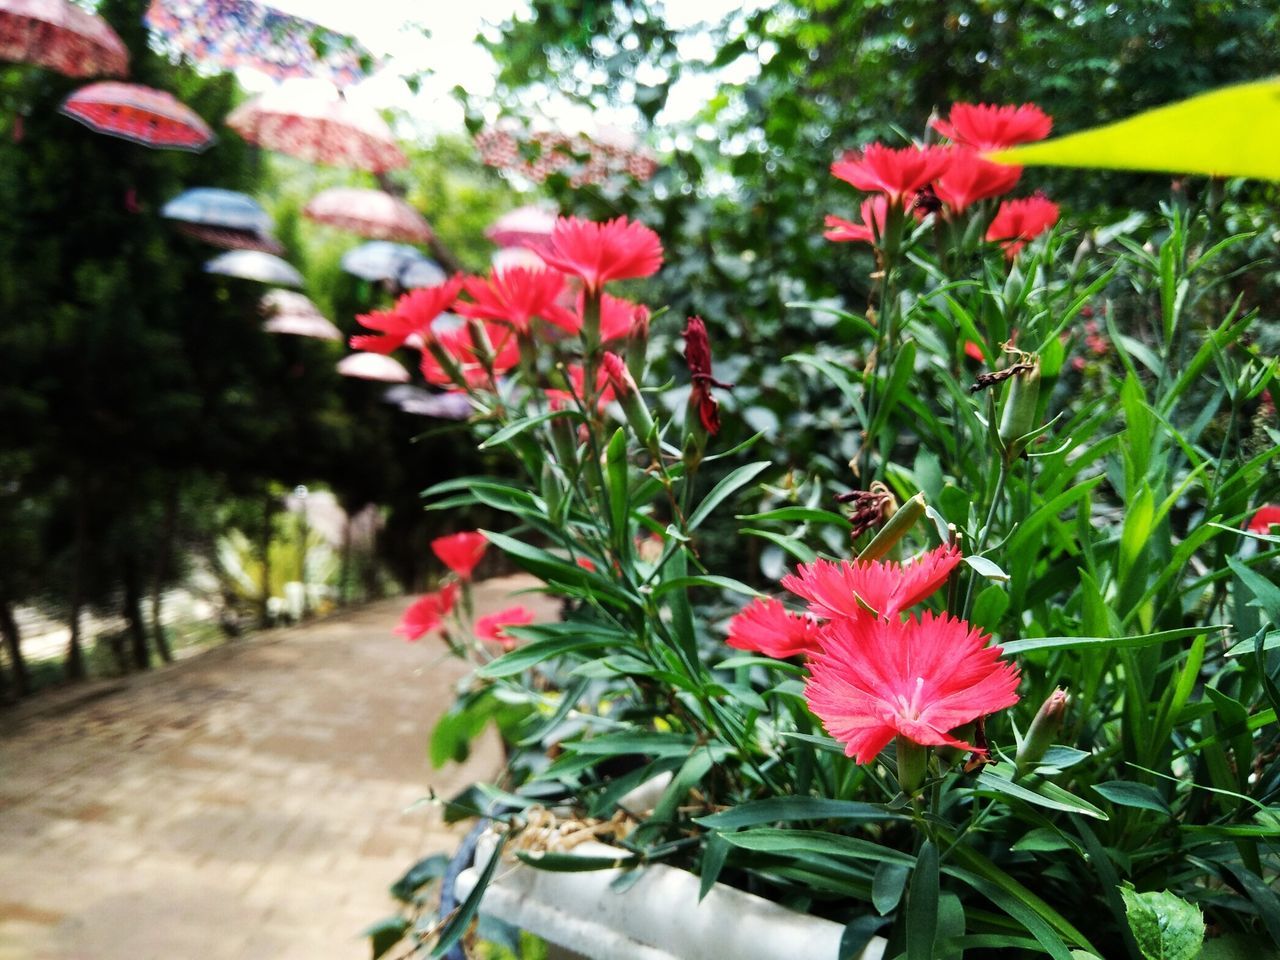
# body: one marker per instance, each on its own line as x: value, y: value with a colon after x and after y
x: 894, y: 529
x: 1044, y: 730
x: 480, y: 341
x: 448, y: 363
x: 628, y: 394
x: 1020, y: 403
x: 638, y: 342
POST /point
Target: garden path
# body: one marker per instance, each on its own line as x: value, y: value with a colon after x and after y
x: 250, y: 802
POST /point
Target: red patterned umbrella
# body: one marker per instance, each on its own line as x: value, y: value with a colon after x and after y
x: 229, y: 239
x: 370, y: 213
x: 523, y: 227
x: 153, y: 118
x: 59, y: 35
x: 309, y: 119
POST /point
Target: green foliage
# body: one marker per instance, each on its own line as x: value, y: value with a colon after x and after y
x: 1165, y: 927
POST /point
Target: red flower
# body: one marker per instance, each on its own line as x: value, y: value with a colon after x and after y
x: 973, y: 350
x: 460, y: 552
x: 412, y: 314
x: 894, y: 173
x: 766, y: 626
x: 873, y: 211
x: 516, y: 296
x: 1018, y: 221
x: 599, y: 252
x: 426, y: 613
x: 617, y: 317
x: 492, y: 627
x: 1262, y: 520
x: 620, y: 379
x: 697, y: 354
x: 850, y: 588
x: 969, y: 178
x: 877, y: 679
x: 460, y: 345
x: 986, y: 127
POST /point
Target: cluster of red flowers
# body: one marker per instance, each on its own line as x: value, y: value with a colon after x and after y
x: 950, y: 178
x: 519, y: 302
x: 873, y: 675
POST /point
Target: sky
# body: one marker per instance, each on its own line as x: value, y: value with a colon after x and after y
x: 450, y: 51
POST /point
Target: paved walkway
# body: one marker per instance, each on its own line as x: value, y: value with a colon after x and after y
x: 251, y: 803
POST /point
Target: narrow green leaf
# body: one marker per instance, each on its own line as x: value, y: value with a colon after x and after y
x: 1044, y: 794
x: 887, y: 886
x: 1074, y: 643
x: 785, y: 809
x: 1126, y: 793
x: 724, y: 489
x: 513, y: 430
x: 784, y: 842
x: 922, y: 905
x: 574, y: 863
x: 457, y: 924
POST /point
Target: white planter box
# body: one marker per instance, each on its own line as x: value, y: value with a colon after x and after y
x: 658, y: 917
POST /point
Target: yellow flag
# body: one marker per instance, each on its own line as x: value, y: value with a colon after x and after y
x: 1232, y: 132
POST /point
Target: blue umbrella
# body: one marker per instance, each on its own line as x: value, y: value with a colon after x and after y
x: 214, y: 207
x: 380, y: 260
x: 424, y: 273
x: 255, y: 265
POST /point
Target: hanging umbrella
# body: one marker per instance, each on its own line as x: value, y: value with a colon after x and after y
x: 153, y: 118
x: 286, y: 303
x: 224, y: 218
x: 509, y: 257
x: 523, y: 227
x: 310, y: 120
x: 232, y: 239
x: 299, y: 325
x: 370, y: 213
x: 424, y: 403
x: 424, y: 273
x: 61, y: 36
x: 218, y: 208
x: 373, y: 366
x: 380, y: 260
x: 255, y: 265
x: 240, y: 33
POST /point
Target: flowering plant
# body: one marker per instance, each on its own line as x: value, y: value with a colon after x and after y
x: 1070, y: 750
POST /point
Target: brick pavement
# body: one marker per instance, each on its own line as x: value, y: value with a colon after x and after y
x: 250, y: 803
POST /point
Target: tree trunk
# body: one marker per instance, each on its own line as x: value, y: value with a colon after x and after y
x: 74, y: 666
x: 13, y: 644
x: 132, y: 612
x: 168, y: 534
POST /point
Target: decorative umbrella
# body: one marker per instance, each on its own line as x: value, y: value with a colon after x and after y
x: 373, y: 366
x: 509, y: 257
x: 286, y: 303
x: 61, y: 36
x: 380, y: 260
x: 424, y: 273
x: 240, y: 33
x: 310, y: 120
x: 523, y: 227
x: 424, y: 403
x: 232, y: 239
x: 218, y: 208
x: 153, y: 118
x: 370, y: 213
x: 224, y: 218
x: 300, y: 325
x: 255, y: 265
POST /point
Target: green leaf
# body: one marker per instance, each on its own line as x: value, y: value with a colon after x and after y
x: 1075, y: 643
x: 512, y: 430
x: 887, y: 886
x: 1044, y: 794
x: 785, y: 842
x: 724, y: 489
x: 616, y: 466
x: 785, y: 809
x: 418, y: 876
x: 574, y: 863
x: 799, y: 515
x: 461, y: 919
x: 858, y: 934
x: 986, y: 568
x: 709, y: 580
x: 1165, y: 926
x: 385, y: 934
x: 531, y: 654
x: 1126, y: 793
x: 922, y: 905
